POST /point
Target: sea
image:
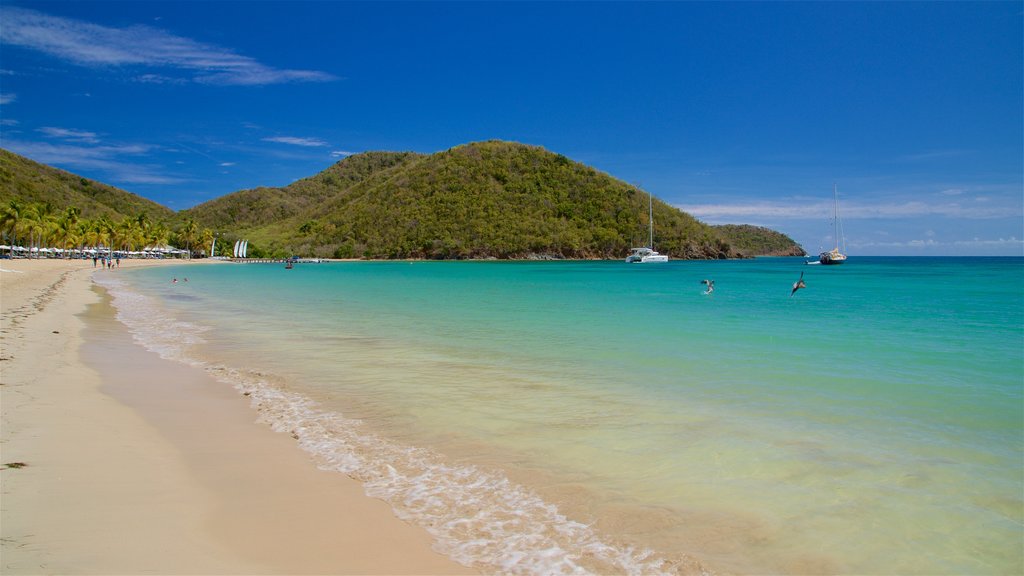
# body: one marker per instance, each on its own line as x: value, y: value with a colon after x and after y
x: 597, y: 417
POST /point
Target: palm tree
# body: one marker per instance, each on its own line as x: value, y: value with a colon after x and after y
x: 206, y: 237
x: 188, y: 234
x: 128, y: 234
x: 110, y: 234
x: 82, y: 233
x: 143, y: 226
x: 67, y: 230
x: 40, y: 223
x: 99, y: 232
x: 158, y: 234
x: 12, y: 220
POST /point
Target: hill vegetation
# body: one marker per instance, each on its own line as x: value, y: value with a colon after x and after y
x: 30, y: 182
x: 42, y: 206
x: 247, y: 209
x: 482, y: 200
x: 759, y: 241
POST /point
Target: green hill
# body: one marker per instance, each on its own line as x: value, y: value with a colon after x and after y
x: 247, y: 209
x: 489, y: 199
x: 486, y: 200
x: 759, y: 241
x: 30, y: 182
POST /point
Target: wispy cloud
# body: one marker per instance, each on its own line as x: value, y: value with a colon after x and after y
x: 159, y: 79
x: 296, y: 141
x: 70, y: 135
x: 977, y: 242
x: 8, y: 97
x: 919, y: 243
x: 88, y: 44
x: 110, y: 160
x: 850, y: 211
x: 340, y: 153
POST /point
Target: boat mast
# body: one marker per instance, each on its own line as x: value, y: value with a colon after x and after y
x: 650, y: 217
x: 835, y: 213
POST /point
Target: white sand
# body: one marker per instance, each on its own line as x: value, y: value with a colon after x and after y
x: 134, y: 464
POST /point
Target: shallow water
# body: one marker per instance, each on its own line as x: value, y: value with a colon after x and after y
x: 571, y: 417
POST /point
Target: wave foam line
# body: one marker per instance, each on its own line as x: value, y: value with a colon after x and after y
x: 477, y: 517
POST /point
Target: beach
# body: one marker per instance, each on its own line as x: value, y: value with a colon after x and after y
x: 115, y: 461
x: 512, y: 417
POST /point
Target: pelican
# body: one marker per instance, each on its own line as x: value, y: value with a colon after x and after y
x: 711, y: 286
x: 798, y: 284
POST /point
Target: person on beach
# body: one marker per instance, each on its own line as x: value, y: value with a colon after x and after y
x: 93, y: 261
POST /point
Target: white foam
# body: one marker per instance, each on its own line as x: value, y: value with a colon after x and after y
x: 150, y: 325
x: 478, y: 517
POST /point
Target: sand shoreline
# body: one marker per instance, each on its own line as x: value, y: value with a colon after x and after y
x: 135, y: 464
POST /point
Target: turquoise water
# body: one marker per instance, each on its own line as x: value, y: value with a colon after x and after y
x: 573, y: 417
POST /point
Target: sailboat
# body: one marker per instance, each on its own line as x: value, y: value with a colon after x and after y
x: 647, y: 254
x: 834, y: 256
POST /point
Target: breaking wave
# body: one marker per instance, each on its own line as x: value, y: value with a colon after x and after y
x: 477, y: 516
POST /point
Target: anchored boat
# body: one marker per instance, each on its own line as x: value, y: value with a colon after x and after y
x: 647, y: 254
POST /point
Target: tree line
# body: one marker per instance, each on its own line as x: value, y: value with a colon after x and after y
x: 40, y: 225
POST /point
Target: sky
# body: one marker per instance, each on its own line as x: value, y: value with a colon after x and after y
x: 747, y: 112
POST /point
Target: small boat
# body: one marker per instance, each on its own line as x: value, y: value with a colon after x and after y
x: 647, y: 254
x: 834, y: 256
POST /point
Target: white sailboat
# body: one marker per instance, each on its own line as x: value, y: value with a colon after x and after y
x: 834, y: 256
x: 241, y: 248
x: 647, y: 254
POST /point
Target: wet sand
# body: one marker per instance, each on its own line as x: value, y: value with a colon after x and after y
x: 115, y: 461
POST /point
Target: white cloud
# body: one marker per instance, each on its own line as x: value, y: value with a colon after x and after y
x: 8, y: 97
x: 227, y: 164
x: 88, y: 44
x: 296, y: 141
x: 106, y: 159
x: 796, y: 210
x: 8, y: 122
x: 158, y: 79
x: 930, y: 242
x: 70, y: 135
x: 340, y: 153
x: 976, y: 242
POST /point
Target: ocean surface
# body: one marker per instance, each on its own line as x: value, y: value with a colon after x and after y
x: 599, y: 417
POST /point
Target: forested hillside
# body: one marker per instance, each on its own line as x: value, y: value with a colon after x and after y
x: 759, y: 241
x: 30, y: 182
x: 489, y: 199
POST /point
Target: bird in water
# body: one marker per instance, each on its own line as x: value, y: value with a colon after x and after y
x: 798, y: 284
x: 710, y: 284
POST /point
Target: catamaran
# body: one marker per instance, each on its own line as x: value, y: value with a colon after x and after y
x: 834, y: 256
x: 647, y: 254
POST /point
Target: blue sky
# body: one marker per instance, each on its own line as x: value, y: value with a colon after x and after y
x: 735, y: 112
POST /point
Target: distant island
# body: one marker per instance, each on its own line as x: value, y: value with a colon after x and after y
x: 484, y: 200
